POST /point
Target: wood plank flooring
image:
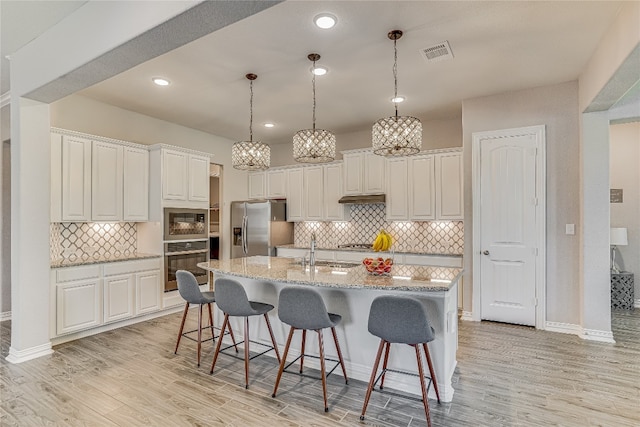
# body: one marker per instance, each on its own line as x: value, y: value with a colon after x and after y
x: 506, y: 376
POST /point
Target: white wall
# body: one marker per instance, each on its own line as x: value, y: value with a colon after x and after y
x: 82, y: 114
x: 625, y: 174
x: 444, y: 133
x: 556, y: 107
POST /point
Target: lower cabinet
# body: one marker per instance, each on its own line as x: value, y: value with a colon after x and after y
x: 90, y: 296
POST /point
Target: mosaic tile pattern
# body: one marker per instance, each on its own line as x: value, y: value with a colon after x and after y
x: 445, y: 237
x: 75, y: 240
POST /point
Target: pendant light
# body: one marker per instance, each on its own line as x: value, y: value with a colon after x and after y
x: 396, y: 135
x: 250, y: 155
x: 314, y: 145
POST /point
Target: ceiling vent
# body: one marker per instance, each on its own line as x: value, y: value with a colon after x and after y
x: 438, y: 52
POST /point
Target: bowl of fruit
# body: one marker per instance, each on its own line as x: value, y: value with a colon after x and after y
x: 378, y: 266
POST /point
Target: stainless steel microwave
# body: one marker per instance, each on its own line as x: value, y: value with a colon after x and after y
x: 186, y: 224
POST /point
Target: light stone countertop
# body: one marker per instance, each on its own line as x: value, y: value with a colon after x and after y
x: 88, y: 260
x: 293, y: 246
x: 288, y: 270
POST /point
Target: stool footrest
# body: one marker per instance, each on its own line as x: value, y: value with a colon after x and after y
x: 337, y: 363
x: 269, y: 348
x: 186, y: 334
x: 412, y: 374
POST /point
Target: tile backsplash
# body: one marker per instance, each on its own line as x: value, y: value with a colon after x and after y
x: 69, y: 240
x: 445, y: 237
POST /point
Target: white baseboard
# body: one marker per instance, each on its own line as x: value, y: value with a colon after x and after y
x: 7, y: 316
x: 467, y: 316
x: 19, y: 356
x: 636, y: 303
x: 597, y: 335
x: 586, y: 334
x: 563, y: 328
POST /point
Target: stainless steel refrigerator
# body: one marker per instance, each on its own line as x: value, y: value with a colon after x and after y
x: 257, y: 226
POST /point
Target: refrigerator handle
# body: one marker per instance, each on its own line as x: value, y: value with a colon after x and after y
x: 245, y: 247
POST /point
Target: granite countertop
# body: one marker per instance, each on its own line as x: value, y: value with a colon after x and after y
x: 287, y: 270
x: 293, y: 246
x: 99, y: 259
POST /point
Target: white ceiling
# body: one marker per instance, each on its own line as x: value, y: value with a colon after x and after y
x: 498, y: 46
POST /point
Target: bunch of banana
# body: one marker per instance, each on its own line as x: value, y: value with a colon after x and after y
x: 382, y: 242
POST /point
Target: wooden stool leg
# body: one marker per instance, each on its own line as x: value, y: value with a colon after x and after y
x: 384, y: 364
x: 213, y: 336
x: 199, y: 331
x: 233, y: 338
x: 431, y: 372
x: 283, y: 362
x: 215, y: 354
x: 322, y: 370
x: 374, y: 370
x: 344, y: 370
x: 273, y: 339
x: 425, y: 399
x: 184, y: 317
x: 246, y: 352
x: 304, y: 339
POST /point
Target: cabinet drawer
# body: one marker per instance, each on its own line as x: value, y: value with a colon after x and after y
x: 433, y: 260
x: 291, y: 253
x: 77, y: 273
x: 131, y: 266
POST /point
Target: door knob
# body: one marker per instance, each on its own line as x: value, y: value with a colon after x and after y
x: 485, y: 252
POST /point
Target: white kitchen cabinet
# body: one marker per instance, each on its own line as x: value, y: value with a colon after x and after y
x: 106, y: 181
x: 76, y: 179
x: 136, y: 184
x: 449, y: 186
x: 333, y: 191
x: 421, y: 187
x: 198, y: 179
x: 277, y: 184
x: 313, y: 194
x: 257, y: 184
x: 175, y: 175
x: 364, y: 173
x: 295, y: 193
x: 78, y: 305
x: 118, y: 298
x: 148, y: 291
x: 397, y: 200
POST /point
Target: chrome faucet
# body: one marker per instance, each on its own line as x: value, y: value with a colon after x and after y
x: 312, y: 251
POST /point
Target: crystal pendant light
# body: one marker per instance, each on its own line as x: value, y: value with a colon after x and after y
x: 396, y: 135
x: 250, y: 155
x: 314, y: 145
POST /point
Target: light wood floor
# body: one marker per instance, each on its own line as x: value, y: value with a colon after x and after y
x: 506, y: 376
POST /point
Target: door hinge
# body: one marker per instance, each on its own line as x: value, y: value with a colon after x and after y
x: 534, y: 201
x: 535, y: 302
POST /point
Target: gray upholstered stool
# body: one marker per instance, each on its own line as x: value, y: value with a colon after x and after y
x: 303, y: 308
x: 232, y: 300
x: 401, y: 320
x: 190, y: 291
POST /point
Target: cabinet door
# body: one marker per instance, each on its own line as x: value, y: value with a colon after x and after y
x: 199, y: 179
x: 256, y: 185
x: 333, y: 211
x: 106, y: 181
x: 374, y: 170
x: 78, y: 306
x: 313, y: 193
x: 118, y: 297
x: 422, y: 197
x: 147, y: 292
x: 76, y: 179
x: 276, y: 184
x: 136, y: 184
x: 295, y: 190
x: 449, y: 194
x: 174, y: 175
x: 353, y: 173
x: 397, y: 194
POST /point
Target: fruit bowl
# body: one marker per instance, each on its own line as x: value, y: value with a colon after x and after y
x: 378, y: 266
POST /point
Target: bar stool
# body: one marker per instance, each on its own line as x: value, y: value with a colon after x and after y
x: 232, y: 300
x: 190, y: 291
x: 401, y: 320
x: 303, y: 308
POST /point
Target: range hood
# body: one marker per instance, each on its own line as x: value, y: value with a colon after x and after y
x: 363, y: 199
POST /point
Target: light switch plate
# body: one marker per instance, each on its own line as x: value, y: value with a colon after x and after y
x: 570, y: 229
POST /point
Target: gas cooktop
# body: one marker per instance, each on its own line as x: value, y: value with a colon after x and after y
x: 356, y: 246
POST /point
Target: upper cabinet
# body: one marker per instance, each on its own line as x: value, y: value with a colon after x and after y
x: 364, y: 172
x: 271, y: 184
x: 257, y: 185
x: 295, y: 195
x: 175, y: 178
x: 97, y: 179
x: 199, y: 178
x: 334, y: 211
x: 449, y: 185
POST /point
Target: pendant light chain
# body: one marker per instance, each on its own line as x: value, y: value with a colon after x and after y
x: 395, y: 74
x: 313, y: 83
x: 251, y: 110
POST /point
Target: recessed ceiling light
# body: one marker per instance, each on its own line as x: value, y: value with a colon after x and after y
x: 319, y: 70
x: 325, y: 21
x: 160, y: 81
x: 397, y: 99
x: 269, y: 125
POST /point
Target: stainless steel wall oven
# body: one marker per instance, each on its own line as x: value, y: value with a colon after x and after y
x: 184, y: 256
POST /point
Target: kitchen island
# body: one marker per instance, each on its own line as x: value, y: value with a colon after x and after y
x: 348, y: 290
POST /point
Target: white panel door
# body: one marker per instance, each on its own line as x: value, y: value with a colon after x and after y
x: 508, y: 212
x: 422, y: 188
x: 78, y: 306
x: 106, y: 181
x: 333, y: 211
x: 118, y: 297
x: 397, y: 202
x: 136, y: 184
x: 313, y: 193
x: 148, y: 291
x: 174, y: 175
x: 449, y: 203
x: 256, y: 185
x: 198, y: 179
x: 76, y: 179
x: 295, y: 190
x: 374, y: 170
